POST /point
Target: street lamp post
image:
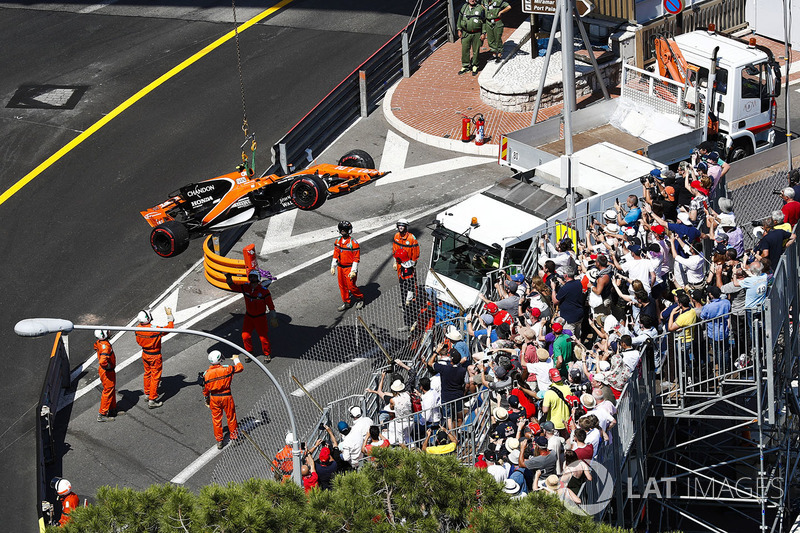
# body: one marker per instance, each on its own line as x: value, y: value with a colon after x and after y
x: 38, y: 327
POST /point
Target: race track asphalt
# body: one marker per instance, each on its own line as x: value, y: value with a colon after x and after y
x: 74, y: 244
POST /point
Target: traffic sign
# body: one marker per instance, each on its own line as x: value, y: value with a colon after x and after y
x: 673, y: 7
x: 548, y: 7
x: 539, y: 7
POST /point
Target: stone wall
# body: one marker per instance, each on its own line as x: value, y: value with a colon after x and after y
x: 521, y: 102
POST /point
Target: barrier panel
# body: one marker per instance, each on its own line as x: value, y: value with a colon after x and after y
x: 216, y: 266
x: 56, y: 378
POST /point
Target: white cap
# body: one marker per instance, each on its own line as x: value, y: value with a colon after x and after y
x: 101, y: 334
x: 289, y: 438
x: 355, y: 411
x: 513, y: 456
x: 214, y: 357
x: 684, y: 218
x: 398, y: 386
x: 758, y: 232
x: 63, y: 487
x: 144, y: 317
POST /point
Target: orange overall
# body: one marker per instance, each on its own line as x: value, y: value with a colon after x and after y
x: 150, y: 341
x: 217, y: 391
x: 283, y: 463
x: 257, y: 300
x: 407, y: 242
x: 68, y: 504
x: 346, y: 253
x: 108, y: 376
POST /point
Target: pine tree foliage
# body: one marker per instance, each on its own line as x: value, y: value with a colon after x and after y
x: 397, y: 490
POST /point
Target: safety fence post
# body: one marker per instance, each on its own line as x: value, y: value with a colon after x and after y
x: 406, y: 63
x: 451, y: 22
x: 362, y: 89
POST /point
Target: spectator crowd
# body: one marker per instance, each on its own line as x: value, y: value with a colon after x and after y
x: 668, y: 270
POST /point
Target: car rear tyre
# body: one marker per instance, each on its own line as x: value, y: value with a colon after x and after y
x: 358, y: 159
x: 169, y: 239
x: 308, y: 192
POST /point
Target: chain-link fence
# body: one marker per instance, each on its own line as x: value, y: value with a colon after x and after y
x: 755, y: 201
x: 332, y: 376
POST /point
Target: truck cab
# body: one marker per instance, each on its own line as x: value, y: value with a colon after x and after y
x: 488, y: 232
x: 746, y: 82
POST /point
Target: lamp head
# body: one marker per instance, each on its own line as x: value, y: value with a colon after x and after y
x: 38, y: 327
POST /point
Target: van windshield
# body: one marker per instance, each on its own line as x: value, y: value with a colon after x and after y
x: 460, y: 258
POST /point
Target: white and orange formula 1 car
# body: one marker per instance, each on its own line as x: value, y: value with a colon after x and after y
x: 238, y: 198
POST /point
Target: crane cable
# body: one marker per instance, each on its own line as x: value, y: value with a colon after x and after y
x: 248, y: 163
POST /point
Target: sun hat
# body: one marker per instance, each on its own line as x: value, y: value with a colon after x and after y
x: 510, y: 486
x: 398, y: 386
x: 500, y: 413
x: 512, y: 443
x: 542, y: 354
x: 453, y: 334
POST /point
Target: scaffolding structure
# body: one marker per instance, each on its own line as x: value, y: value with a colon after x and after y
x: 722, y: 444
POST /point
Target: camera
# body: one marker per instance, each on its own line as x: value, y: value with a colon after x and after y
x: 644, y: 179
x: 322, y: 427
x: 575, y: 403
x: 778, y: 192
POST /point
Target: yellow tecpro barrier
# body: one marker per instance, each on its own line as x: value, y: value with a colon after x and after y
x: 217, y: 266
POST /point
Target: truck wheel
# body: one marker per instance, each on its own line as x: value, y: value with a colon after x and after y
x: 308, y: 192
x: 358, y: 159
x: 169, y: 239
x: 738, y: 152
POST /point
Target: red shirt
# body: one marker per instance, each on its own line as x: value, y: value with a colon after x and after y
x: 585, y: 453
x: 310, y: 481
x: 791, y: 212
x: 525, y: 403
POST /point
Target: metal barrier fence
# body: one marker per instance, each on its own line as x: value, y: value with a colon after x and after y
x: 343, y: 105
x: 335, y: 372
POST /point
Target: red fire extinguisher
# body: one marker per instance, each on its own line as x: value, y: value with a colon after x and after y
x: 465, y: 127
x: 480, y: 129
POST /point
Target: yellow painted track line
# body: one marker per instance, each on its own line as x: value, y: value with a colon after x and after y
x: 11, y: 191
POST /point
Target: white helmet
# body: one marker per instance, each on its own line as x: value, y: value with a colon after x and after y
x: 214, y: 357
x: 145, y: 317
x: 289, y: 438
x: 101, y: 334
x: 63, y: 487
x: 402, y: 222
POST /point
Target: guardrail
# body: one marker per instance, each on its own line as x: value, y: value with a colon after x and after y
x: 343, y: 105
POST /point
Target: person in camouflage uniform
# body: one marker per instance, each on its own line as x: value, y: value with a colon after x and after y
x: 494, y: 25
x: 471, y: 31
